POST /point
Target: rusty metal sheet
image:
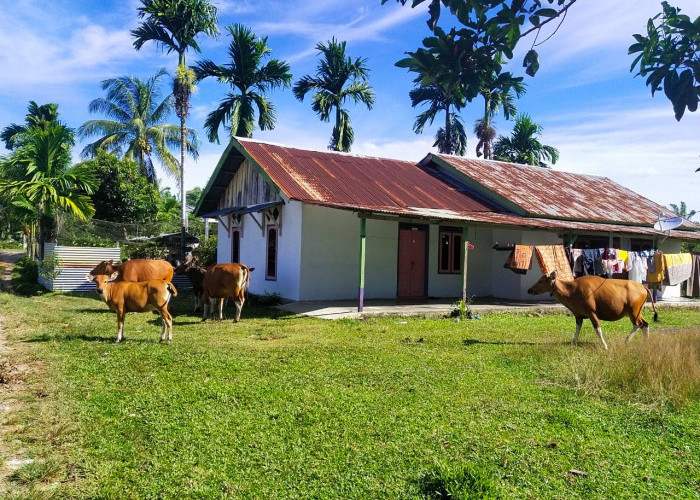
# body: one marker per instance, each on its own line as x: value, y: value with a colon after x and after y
x: 312, y: 176
x: 545, y: 192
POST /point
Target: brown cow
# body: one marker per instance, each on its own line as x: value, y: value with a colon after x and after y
x: 598, y: 299
x: 195, y: 273
x: 136, y: 270
x: 126, y: 296
x: 222, y: 281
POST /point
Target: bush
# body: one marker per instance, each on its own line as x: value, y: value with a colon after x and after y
x: 25, y: 277
x: 205, y: 253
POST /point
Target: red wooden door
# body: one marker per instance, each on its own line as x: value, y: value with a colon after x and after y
x: 412, y: 263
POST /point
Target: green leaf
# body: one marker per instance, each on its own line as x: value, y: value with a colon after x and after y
x: 531, y: 62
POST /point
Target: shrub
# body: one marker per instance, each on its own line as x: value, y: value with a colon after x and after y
x: 25, y: 277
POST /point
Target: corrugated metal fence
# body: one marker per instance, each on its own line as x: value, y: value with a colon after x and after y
x: 74, y: 263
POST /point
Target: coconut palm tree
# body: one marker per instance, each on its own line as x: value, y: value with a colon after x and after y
x: 174, y: 26
x: 38, y: 177
x: 682, y: 210
x: 499, y: 93
x: 135, y: 129
x: 337, y: 79
x: 246, y: 74
x: 523, y: 146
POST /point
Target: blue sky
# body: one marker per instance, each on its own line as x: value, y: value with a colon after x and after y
x: 602, y: 119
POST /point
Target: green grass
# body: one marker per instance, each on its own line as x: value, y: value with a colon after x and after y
x: 286, y: 407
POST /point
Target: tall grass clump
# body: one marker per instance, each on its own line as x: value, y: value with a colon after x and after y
x: 663, y: 369
x: 458, y: 482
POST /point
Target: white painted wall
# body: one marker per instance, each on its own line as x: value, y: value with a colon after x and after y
x: 330, y: 256
x: 253, y: 252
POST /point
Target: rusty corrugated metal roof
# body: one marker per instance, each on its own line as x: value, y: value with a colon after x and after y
x: 544, y: 192
x: 448, y: 189
x: 341, y: 178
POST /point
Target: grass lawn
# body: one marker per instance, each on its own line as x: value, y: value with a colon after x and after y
x: 286, y: 407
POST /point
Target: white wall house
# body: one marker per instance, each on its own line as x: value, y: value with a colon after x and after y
x: 296, y: 216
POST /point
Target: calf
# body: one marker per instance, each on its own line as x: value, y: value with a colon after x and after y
x: 598, y: 299
x: 136, y: 270
x: 222, y: 281
x: 126, y: 296
x: 195, y: 273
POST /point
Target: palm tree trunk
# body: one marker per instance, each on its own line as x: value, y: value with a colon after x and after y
x: 183, y: 148
x: 447, y: 147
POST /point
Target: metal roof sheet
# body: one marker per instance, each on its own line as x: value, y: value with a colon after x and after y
x: 315, y: 176
x: 545, y: 192
x: 447, y: 188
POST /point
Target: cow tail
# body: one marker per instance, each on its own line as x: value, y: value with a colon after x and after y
x: 247, y: 279
x: 653, y: 304
x: 171, y: 288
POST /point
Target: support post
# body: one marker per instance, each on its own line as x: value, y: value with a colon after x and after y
x: 465, y: 242
x: 363, y: 238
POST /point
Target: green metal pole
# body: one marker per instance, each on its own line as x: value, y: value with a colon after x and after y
x: 363, y: 243
x: 465, y: 235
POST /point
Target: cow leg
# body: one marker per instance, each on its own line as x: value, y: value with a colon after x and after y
x: 579, y: 323
x: 167, y: 319
x: 120, y: 325
x: 631, y: 334
x: 598, y: 329
x: 205, y: 304
x: 221, y: 309
x: 239, y: 308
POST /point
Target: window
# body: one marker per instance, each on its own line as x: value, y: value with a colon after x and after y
x: 450, y: 252
x: 236, y: 244
x: 271, y: 261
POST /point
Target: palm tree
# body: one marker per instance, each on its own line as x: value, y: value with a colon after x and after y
x: 337, y: 79
x: 246, y: 74
x: 499, y: 94
x: 523, y: 146
x: 441, y: 85
x: 136, y: 125
x: 38, y: 177
x: 683, y: 210
x: 174, y: 25
x: 37, y: 115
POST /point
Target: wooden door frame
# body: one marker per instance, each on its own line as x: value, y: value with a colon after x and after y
x: 425, y: 228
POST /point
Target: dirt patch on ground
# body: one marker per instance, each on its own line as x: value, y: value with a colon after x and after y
x: 12, y: 382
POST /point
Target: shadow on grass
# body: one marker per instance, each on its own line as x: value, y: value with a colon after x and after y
x: 92, y: 338
x: 470, y: 342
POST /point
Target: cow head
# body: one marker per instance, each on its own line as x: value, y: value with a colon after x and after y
x: 546, y: 284
x: 190, y: 263
x: 100, y: 280
x: 105, y: 267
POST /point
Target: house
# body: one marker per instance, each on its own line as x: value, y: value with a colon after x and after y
x: 328, y: 225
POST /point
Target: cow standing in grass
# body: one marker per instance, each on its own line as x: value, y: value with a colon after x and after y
x: 195, y: 273
x: 136, y: 270
x: 598, y: 299
x: 222, y: 281
x: 127, y: 296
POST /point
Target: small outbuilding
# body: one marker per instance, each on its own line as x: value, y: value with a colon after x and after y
x: 327, y: 225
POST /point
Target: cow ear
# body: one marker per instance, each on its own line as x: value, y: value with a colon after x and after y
x: 114, y: 275
x: 553, y: 275
x: 90, y: 277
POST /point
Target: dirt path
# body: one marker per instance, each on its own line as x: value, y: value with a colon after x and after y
x: 11, y: 377
x: 8, y: 258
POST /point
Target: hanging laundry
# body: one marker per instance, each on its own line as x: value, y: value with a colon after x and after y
x: 613, y: 264
x: 520, y: 259
x: 656, y: 268
x: 693, y: 285
x: 553, y: 258
x: 593, y: 261
x: 678, y: 267
x: 575, y: 260
x: 637, y: 267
